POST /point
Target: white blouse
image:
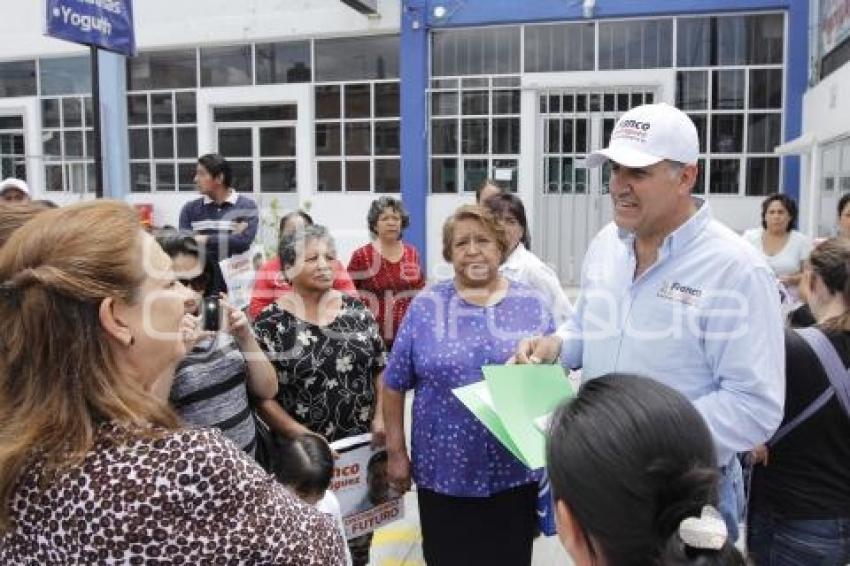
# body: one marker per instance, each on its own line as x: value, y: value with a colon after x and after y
x: 524, y: 267
x: 789, y: 259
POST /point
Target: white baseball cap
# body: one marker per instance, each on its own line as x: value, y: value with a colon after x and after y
x: 648, y: 134
x: 12, y: 183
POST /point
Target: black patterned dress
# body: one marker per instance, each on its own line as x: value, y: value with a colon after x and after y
x: 326, y: 373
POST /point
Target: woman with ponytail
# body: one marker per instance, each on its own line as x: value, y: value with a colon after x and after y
x: 800, y: 498
x: 634, y: 478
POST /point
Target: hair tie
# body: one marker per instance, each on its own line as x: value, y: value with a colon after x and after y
x: 706, y: 532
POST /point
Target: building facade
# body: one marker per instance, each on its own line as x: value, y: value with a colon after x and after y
x: 320, y: 106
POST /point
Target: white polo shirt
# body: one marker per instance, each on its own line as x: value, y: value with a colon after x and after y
x: 704, y: 319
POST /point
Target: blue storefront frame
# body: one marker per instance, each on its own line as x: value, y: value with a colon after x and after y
x: 418, y: 19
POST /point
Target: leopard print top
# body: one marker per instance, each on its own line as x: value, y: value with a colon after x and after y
x: 189, y: 497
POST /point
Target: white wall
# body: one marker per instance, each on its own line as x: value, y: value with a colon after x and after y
x: 170, y: 23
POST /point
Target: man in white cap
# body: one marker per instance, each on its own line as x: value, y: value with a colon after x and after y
x: 14, y: 190
x: 670, y: 293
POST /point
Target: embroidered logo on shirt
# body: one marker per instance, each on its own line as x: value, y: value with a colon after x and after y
x: 680, y: 293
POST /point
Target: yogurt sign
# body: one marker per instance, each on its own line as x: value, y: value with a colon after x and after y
x: 107, y: 24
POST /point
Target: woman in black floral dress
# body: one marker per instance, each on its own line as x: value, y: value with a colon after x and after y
x: 327, y: 352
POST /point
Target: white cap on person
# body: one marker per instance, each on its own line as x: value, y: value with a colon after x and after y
x: 647, y: 134
x: 13, y: 183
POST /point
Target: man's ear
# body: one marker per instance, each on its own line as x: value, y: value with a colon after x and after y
x: 112, y: 321
x: 569, y: 531
x: 688, y: 177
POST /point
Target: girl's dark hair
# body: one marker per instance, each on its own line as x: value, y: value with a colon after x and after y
x: 379, y: 205
x: 308, y: 220
x: 510, y: 203
x: 175, y: 242
x: 217, y: 165
x: 830, y: 260
x: 291, y: 244
x: 842, y: 202
x: 789, y: 205
x: 305, y: 463
x: 631, y: 458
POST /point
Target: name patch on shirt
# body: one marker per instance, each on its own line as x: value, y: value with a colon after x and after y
x: 680, y: 293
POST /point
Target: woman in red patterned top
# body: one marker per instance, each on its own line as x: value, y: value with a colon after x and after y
x: 386, y: 271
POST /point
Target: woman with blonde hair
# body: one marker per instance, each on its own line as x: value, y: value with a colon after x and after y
x: 93, y: 467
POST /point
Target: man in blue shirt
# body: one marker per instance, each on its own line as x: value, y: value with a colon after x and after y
x: 670, y: 293
x: 224, y: 222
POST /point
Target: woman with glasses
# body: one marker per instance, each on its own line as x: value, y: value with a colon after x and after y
x: 212, y: 383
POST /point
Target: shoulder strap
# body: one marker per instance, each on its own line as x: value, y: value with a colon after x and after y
x: 838, y: 376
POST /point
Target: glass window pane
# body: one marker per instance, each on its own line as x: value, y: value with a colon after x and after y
x: 387, y: 101
x: 226, y: 66
x: 692, y: 90
x: 52, y: 146
x: 444, y: 103
x: 283, y: 62
x: 475, y: 103
x: 327, y: 102
x: 762, y: 175
x: 187, y: 142
x: 553, y: 135
x: 507, y: 165
x: 257, y: 113
x: 727, y: 132
x: 88, y: 112
x: 568, y: 135
x: 444, y: 175
x: 506, y: 101
x: 357, y: 58
x: 165, y: 177
x: 635, y: 44
x: 163, y: 143
x: 137, y: 109
x: 162, y: 70
x: 277, y: 176
x: 277, y: 142
x: 140, y: 178
x: 243, y: 175
x: 53, y: 178
x: 72, y: 112
x: 766, y: 88
x: 478, y: 51
x: 565, y: 47
x: 357, y: 176
x: 330, y: 176
x: 582, y: 136
x: 50, y: 113
x: 387, y: 140
x: 505, y: 135
x: 474, y: 136
x: 727, y: 90
x: 766, y: 39
x: 387, y: 176
x: 234, y: 142
x: 186, y: 109
x: 17, y: 78
x: 139, y: 146
x: 357, y: 101
x: 73, y: 143
x: 475, y: 171
x: 724, y: 176
x: 65, y: 75
x: 732, y: 35
x: 553, y: 175
x: 693, y: 42
x: 444, y: 136
x: 186, y: 177
x: 764, y: 132
x: 162, y: 111
x: 358, y: 138
x: 327, y: 139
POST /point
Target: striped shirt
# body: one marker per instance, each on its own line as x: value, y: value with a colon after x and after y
x: 209, y: 390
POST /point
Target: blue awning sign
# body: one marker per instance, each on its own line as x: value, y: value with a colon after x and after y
x: 107, y: 24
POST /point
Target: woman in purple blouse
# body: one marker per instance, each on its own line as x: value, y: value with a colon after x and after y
x: 476, y: 501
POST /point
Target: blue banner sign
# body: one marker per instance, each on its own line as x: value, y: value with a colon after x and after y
x: 107, y: 24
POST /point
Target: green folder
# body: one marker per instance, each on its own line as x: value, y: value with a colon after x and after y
x: 512, y: 401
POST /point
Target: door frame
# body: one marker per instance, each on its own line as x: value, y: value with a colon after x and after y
x: 662, y: 81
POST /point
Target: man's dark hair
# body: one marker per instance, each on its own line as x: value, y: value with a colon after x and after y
x: 842, y: 202
x: 305, y: 464
x: 217, y: 165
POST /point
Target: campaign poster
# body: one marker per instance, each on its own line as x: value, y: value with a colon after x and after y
x: 360, y: 484
x: 239, y: 272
